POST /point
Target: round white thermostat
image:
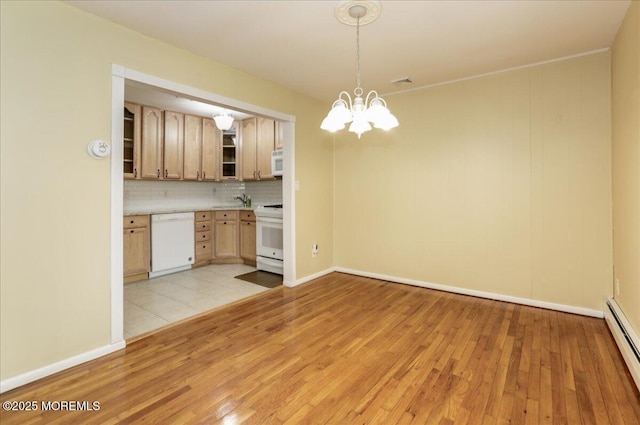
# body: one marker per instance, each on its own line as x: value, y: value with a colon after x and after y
x: 98, y: 149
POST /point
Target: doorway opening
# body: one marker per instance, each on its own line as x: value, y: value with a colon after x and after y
x: 121, y: 77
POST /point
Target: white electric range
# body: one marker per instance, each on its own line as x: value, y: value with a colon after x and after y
x: 269, y: 240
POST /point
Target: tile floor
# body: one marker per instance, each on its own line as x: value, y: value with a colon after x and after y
x: 156, y: 302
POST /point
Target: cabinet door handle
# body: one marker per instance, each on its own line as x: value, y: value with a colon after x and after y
x: 204, y: 175
x: 225, y: 222
x: 166, y: 173
x: 198, y: 175
x: 135, y: 172
x: 158, y: 173
x: 130, y: 231
x: 258, y: 174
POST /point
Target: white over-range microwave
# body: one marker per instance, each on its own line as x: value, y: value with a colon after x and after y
x: 277, y: 162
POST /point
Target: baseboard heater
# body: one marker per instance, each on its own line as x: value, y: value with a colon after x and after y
x: 625, y: 337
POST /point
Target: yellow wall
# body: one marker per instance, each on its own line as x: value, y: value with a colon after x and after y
x: 498, y: 184
x: 625, y: 76
x: 56, y: 97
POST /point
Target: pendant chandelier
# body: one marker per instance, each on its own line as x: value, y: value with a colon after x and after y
x: 361, y: 113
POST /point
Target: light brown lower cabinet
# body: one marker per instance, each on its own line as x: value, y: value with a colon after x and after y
x: 136, y: 248
x: 203, y: 238
x: 221, y: 237
x: 226, y: 235
x: 248, y: 237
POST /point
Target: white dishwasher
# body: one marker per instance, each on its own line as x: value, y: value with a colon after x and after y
x: 172, y: 243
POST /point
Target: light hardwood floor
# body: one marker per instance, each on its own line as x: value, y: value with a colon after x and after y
x: 352, y: 350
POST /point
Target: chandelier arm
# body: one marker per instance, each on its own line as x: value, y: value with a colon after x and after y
x: 348, y: 101
x: 375, y: 96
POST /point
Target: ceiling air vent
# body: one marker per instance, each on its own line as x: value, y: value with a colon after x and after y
x: 402, y: 81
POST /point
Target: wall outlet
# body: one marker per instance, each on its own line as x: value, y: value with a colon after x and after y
x: 617, y: 286
x: 314, y: 250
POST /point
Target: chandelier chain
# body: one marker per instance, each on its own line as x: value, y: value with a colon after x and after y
x: 358, y: 55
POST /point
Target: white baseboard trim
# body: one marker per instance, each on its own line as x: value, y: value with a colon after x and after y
x: 310, y: 277
x: 34, y: 375
x: 482, y: 294
x: 624, y: 335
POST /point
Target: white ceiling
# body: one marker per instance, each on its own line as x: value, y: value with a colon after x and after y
x: 152, y: 96
x: 300, y: 44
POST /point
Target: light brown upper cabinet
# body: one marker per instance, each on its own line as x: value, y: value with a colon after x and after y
x: 258, y: 142
x: 266, y: 145
x: 192, y: 147
x: 132, y: 134
x: 211, y: 137
x: 249, y: 146
x: 279, y: 135
x: 151, y: 143
x: 173, y: 145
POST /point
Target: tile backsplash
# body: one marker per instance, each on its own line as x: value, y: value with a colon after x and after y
x: 264, y: 192
x: 150, y: 195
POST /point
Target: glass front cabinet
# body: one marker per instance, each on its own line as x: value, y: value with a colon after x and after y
x: 131, y: 140
x: 230, y: 153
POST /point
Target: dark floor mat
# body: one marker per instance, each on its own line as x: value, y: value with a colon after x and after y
x: 259, y: 277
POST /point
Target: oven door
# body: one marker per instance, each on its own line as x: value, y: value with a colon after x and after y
x: 269, y: 237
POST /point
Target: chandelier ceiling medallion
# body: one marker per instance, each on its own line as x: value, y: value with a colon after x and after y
x: 361, y: 113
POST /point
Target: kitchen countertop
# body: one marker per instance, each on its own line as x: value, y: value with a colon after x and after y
x: 181, y: 210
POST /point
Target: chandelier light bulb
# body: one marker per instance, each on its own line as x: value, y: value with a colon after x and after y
x: 376, y: 111
x: 387, y: 122
x: 331, y: 125
x: 341, y: 113
x: 359, y: 124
